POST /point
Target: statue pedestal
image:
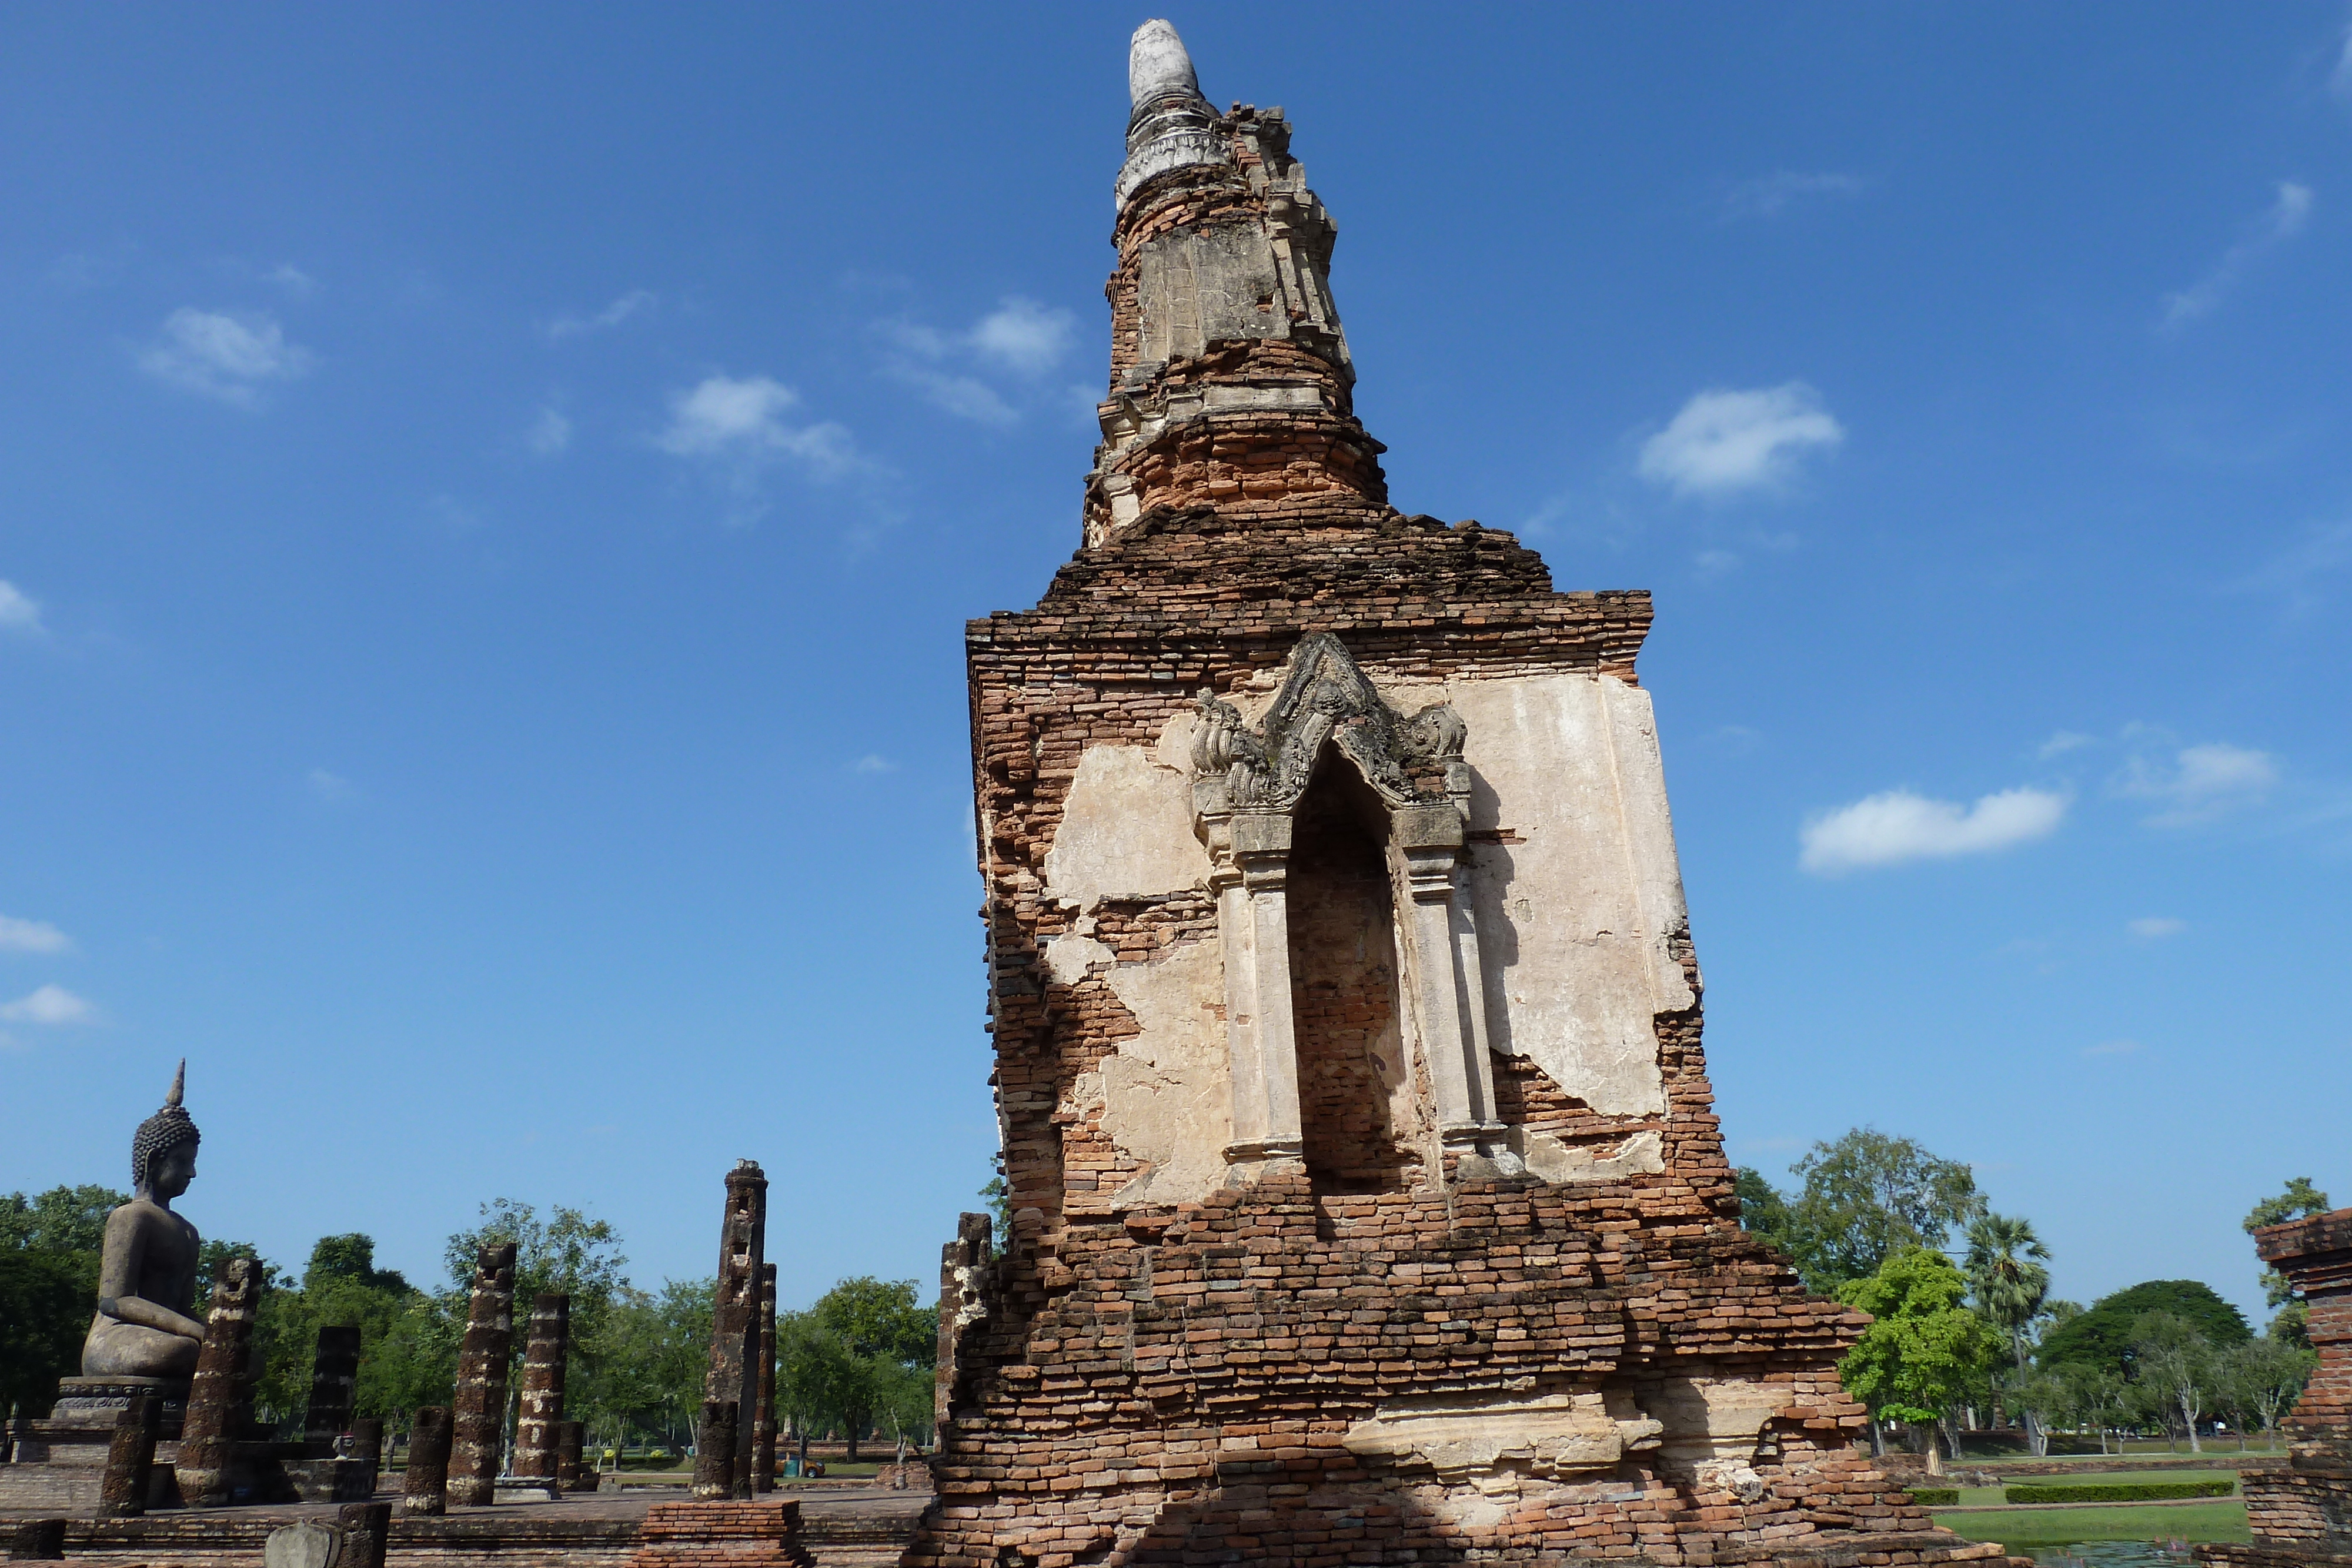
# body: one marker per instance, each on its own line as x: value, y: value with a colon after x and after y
x: 95, y: 1402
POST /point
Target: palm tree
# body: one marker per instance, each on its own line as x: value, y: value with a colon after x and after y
x: 2007, y: 1277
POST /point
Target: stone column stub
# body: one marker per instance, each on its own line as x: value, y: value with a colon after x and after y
x: 130, y: 1458
x: 217, y: 1409
x: 543, y: 1366
x: 426, y: 1491
x: 478, y: 1420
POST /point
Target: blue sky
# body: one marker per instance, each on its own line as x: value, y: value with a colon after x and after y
x: 492, y: 495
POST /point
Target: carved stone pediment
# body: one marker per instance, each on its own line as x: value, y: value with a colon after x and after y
x: 1325, y: 697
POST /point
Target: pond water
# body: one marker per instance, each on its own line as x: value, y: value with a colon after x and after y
x: 2112, y: 1554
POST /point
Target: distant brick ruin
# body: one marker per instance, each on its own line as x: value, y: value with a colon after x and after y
x: 2302, y: 1515
x: 1368, y: 1205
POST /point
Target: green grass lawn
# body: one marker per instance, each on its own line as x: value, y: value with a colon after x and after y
x: 2220, y: 1520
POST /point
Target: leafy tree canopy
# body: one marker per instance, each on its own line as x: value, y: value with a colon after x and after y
x: 45, y: 1305
x: 1863, y: 1198
x: 2300, y: 1199
x: 2102, y: 1336
x: 63, y: 1219
x: 1925, y: 1350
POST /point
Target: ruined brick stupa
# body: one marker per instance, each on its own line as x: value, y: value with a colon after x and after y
x: 1369, y: 1203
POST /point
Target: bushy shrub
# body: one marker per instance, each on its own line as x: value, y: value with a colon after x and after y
x: 2122, y: 1492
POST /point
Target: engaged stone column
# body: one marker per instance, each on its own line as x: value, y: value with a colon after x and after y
x: 735, y: 1321
x: 427, y: 1492
x: 763, y: 1418
x: 536, y: 1428
x: 481, y: 1410
x: 334, y: 1384
x: 714, y: 1453
x: 217, y: 1403
x: 129, y: 1458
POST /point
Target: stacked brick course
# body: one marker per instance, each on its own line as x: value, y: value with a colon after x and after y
x: 1365, y: 1346
x: 2302, y: 1513
x: 721, y: 1535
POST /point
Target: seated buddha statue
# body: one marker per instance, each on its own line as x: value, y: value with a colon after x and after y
x: 148, y: 1272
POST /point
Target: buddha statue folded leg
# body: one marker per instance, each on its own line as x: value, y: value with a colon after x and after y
x: 118, y: 1348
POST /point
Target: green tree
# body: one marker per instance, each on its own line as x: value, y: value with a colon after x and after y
x: 1923, y: 1349
x: 2299, y: 1201
x: 2176, y: 1369
x: 880, y: 1331
x: 2006, y: 1276
x: 49, y: 1249
x: 342, y: 1287
x: 566, y: 1252
x: 1867, y: 1197
x: 1763, y: 1212
x: 2102, y: 1336
x: 62, y: 1220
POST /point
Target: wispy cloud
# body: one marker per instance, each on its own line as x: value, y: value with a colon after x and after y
x: 49, y: 1005
x: 2339, y: 80
x: 328, y: 786
x: 1725, y: 442
x: 2199, y: 783
x: 2298, y: 573
x: 1020, y: 339
x: 872, y: 763
x: 223, y: 355
x: 2156, y: 927
x: 2065, y: 741
x: 2112, y: 1047
x: 1896, y: 826
x: 549, y: 434
x: 630, y: 304
x: 1775, y: 193
x: 31, y: 937
x: 291, y: 278
x: 743, y: 419
x: 19, y: 612
x: 2288, y: 213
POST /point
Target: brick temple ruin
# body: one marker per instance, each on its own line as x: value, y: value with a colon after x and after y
x: 1368, y: 1205
x: 2301, y: 1514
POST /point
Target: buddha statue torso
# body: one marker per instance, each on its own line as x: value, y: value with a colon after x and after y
x: 147, y: 1276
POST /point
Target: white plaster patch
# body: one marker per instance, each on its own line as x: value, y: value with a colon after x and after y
x: 1643, y: 1154
x: 1126, y: 831
x: 1712, y: 1424
x: 1166, y: 1094
x: 1069, y: 956
x: 1549, y: 1436
x: 1574, y: 916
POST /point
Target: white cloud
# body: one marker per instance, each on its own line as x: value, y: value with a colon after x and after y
x: 1024, y: 336
x: 1897, y: 826
x: 2285, y: 219
x: 223, y: 355
x: 612, y: 315
x: 31, y: 937
x: 2112, y: 1047
x: 2199, y: 783
x: 2154, y: 927
x: 328, y: 786
x: 551, y: 433
x: 1019, y: 338
x: 1724, y: 442
x: 2065, y: 741
x: 2340, y: 81
x: 2298, y: 574
x: 291, y: 278
x: 1774, y: 193
x: 742, y: 422
x: 50, y: 1004
x: 872, y: 763
x: 19, y: 612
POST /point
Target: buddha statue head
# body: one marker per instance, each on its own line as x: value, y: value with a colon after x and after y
x: 163, y: 1150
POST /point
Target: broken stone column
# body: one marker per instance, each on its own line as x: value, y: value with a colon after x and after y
x: 541, y: 1414
x: 217, y: 1413
x: 366, y: 1528
x: 427, y: 1491
x: 714, y: 1453
x: 130, y: 1458
x: 479, y: 1415
x: 763, y: 1418
x: 734, y: 1377
x: 334, y: 1384
x: 569, y: 1437
x: 367, y: 1442
x: 38, y: 1541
